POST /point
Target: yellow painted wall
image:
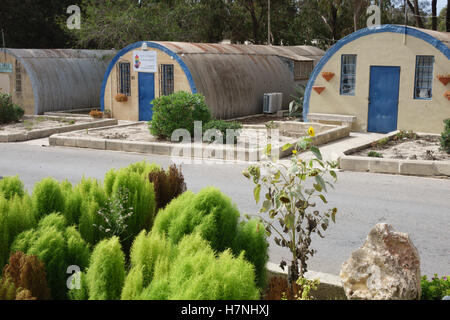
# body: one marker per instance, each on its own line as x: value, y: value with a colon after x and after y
x: 130, y: 110
x: 386, y: 49
x: 25, y: 99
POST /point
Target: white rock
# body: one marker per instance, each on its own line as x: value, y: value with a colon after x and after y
x: 386, y: 267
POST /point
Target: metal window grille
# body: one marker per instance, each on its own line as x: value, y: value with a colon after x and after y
x: 302, y: 70
x: 348, y: 74
x: 167, y: 80
x: 124, y: 78
x: 18, y: 77
x: 423, y: 85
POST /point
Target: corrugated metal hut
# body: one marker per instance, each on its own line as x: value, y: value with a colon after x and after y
x: 54, y: 79
x: 233, y: 78
x: 389, y: 77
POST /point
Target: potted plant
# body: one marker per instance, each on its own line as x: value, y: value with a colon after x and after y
x: 107, y: 113
x: 96, y: 114
x: 120, y: 97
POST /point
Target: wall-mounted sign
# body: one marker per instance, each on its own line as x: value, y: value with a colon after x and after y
x: 6, y: 67
x: 145, y: 61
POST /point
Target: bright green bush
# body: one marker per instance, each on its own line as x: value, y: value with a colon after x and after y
x: 140, y: 198
x: 58, y: 247
x: 178, y: 111
x: 9, y: 111
x: 436, y: 288
x: 209, y: 213
x: 16, y: 216
x: 106, y: 273
x: 11, y: 186
x: 213, y: 216
x: 445, y: 137
x: 198, y: 274
x: 48, y: 197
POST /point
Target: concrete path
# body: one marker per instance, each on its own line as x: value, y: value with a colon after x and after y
x: 418, y: 206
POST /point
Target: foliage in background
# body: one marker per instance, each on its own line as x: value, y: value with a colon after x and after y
x: 11, y: 186
x: 178, y: 111
x: 214, y: 217
x: 27, y: 272
x: 296, y: 106
x: 167, y: 185
x: 436, y: 289
x: 58, y: 247
x: 9, y: 111
x: 221, y: 127
x: 291, y: 193
x: 445, y: 137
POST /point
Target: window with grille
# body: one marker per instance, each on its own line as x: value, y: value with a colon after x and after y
x: 303, y: 69
x: 423, y: 86
x: 18, y: 77
x: 167, y: 81
x: 348, y: 74
x: 124, y: 84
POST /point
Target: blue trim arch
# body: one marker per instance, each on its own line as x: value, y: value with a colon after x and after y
x: 136, y: 45
x: 361, y: 33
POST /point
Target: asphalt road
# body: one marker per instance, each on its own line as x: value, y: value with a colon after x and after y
x: 417, y: 206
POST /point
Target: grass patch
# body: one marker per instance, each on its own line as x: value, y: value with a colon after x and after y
x: 374, y: 154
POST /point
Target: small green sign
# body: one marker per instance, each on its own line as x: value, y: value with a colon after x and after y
x: 6, y: 67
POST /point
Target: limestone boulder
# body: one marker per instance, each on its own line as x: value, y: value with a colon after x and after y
x: 386, y: 267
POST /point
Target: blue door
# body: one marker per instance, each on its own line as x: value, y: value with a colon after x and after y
x: 146, y: 95
x: 383, y: 99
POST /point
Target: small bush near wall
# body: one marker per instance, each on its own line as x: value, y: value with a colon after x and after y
x: 445, y: 137
x: 9, y: 112
x: 178, y: 111
x: 436, y: 288
x: 222, y: 126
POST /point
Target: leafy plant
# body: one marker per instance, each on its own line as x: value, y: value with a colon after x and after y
x: 435, y: 289
x: 11, y: 186
x: 296, y: 106
x: 167, y: 185
x: 222, y: 127
x: 106, y: 273
x: 405, y: 135
x: 374, y: 154
x: 27, y: 272
x: 445, y: 137
x: 178, y: 111
x: 214, y: 217
x: 9, y: 111
x: 291, y: 203
x: 58, y: 247
x: 48, y: 197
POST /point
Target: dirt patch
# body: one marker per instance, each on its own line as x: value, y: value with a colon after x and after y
x: 418, y: 148
x: 37, y: 123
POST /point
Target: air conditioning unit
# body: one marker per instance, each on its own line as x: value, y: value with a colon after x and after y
x: 272, y: 102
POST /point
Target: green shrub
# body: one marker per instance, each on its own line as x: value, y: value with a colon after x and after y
x: 8, y: 290
x: 435, y: 289
x: 106, y: 273
x: 178, y: 111
x: 222, y: 126
x: 213, y: 216
x: 58, y: 247
x: 11, y: 186
x: 28, y: 273
x: 9, y: 111
x: 167, y: 185
x: 198, y: 274
x: 445, y: 137
x: 16, y: 216
x: 48, y: 197
x: 374, y: 154
x: 140, y: 199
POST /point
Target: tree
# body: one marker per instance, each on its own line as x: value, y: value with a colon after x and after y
x: 434, y: 17
x: 416, y: 11
x: 448, y: 16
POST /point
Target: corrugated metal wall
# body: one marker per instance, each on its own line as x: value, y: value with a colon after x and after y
x: 64, y: 79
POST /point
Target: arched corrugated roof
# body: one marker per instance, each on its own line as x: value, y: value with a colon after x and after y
x: 234, y: 78
x: 64, y: 79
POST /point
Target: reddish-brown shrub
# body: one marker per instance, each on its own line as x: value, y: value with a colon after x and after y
x: 27, y: 274
x: 167, y: 185
x: 278, y: 289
